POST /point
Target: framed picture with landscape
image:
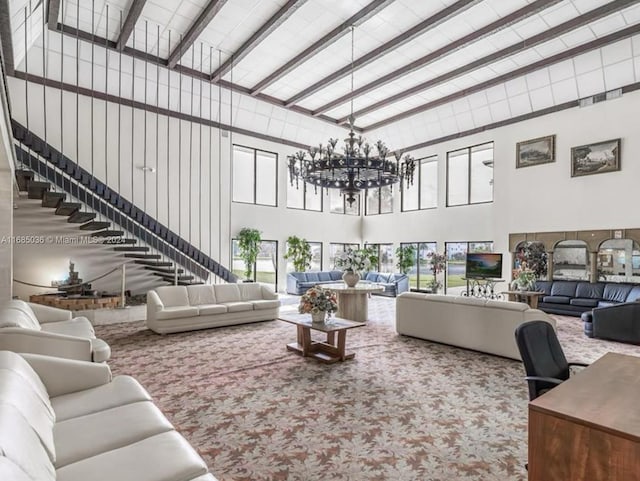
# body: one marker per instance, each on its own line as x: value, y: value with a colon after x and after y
x: 536, y: 151
x: 595, y: 158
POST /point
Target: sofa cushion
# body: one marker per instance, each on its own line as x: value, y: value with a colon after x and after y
x: 336, y: 275
x: 371, y: 276
x: 199, y: 295
x: 590, y: 290
x: 265, y: 304
x: 10, y: 317
x: 172, y: 296
x: 634, y: 294
x: 507, y: 305
x: 250, y: 291
x: 607, y: 303
x: 616, y: 292
x: 10, y: 470
x: 584, y: 302
x: 120, y: 391
x: 167, y: 456
x: 21, y: 445
x: 312, y: 277
x: 227, y: 293
x: 238, y: 306
x: 17, y: 392
x: 77, y: 438
x: 564, y: 289
x: 385, y: 278
x: 307, y: 285
x: 324, y: 276
x: 12, y: 362
x: 544, y: 286
x: 212, y: 309
x: 78, y: 327
x: 556, y: 299
x: 177, y: 312
x: 24, y: 307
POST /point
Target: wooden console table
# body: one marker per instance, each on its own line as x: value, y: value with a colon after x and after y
x: 588, y: 427
x: 528, y: 297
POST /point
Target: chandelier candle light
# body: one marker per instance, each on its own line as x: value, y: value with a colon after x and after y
x: 360, y: 166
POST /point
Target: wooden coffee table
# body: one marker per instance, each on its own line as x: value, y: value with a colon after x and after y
x: 528, y: 297
x: 329, y: 351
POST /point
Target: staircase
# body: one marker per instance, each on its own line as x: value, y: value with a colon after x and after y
x: 47, y: 175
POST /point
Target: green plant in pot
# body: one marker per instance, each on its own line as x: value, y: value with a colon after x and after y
x: 406, y: 258
x: 299, y: 252
x: 249, y: 248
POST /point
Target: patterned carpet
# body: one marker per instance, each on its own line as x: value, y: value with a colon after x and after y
x: 402, y: 410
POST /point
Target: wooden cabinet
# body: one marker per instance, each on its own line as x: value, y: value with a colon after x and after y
x: 588, y: 428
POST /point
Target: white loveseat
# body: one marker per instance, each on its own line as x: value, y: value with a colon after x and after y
x: 29, y: 327
x: 67, y: 420
x: 479, y: 324
x: 186, y: 308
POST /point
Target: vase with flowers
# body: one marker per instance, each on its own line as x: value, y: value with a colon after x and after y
x: 524, y: 278
x: 353, y: 262
x: 319, y: 302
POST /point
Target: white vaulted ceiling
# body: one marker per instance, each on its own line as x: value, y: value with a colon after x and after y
x: 424, y: 69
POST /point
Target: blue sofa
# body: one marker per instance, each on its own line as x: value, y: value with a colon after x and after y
x: 393, y: 284
x: 572, y: 298
x: 299, y: 282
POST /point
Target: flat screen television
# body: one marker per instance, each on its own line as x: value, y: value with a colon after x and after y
x: 484, y: 265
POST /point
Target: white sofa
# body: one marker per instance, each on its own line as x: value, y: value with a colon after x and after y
x: 186, y: 308
x: 67, y: 420
x: 29, y: 327
x: 472, y: 323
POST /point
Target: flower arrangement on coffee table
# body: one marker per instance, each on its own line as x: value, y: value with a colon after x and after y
x: 524, y: 278
x: 319, y: 302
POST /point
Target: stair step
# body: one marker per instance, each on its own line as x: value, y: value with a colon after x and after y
x: 67, y: 208
x: 95, y: 225
x: 190, y: 283
x: 172, y: 279
x: 23, y: 177
x: 120, y: 241
x: 108, y: 233
x: 143, y: 256
x: 36, y: 190
x: 153, y: 263
x: 53, y: 199
x: 161, y: 270
x: 80, y: 217
x: 131, y: 249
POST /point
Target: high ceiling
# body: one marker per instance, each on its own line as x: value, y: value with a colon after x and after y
x: 423, y: 69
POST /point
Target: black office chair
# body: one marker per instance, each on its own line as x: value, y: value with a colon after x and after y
x: 543, y: 358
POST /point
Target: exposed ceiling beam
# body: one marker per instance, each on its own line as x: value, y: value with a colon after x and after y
x: 564, y: 55
x: 358, y: 18
x: 424, y: 26
x: 448, y: 49
x: 6, y: 37
x: 262, y: 33
x: 210, y: 11
x: 518, y: 47
x: 130, y: 22
x: 147, y: 57
x: 53, y: 9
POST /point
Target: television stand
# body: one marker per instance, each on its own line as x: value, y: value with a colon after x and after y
x: 482, y: 287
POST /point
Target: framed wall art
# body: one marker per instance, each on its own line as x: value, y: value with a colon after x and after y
x: 536, y: 151
x: 596, y: 158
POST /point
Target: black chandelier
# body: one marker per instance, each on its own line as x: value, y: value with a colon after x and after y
x: 360, y: 166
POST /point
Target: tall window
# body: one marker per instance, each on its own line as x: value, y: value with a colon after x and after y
x: 421, y: 275
x: 304, y: 197
x: 316, y: 257
x: 384, y: 253
x: 336, y: 248
x: 423, y: 194
x: 456, y: 253
x: 470, y: 175
x: 338, y: 203
x: 255, y: 176
x: 265, y: 270
x: 379, y: 201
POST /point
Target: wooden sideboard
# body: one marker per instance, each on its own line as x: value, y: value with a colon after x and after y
x: 588, y: 428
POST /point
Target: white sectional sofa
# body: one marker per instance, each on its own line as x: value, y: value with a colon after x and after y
x: 479, y: 324
x: 186, y: 308
x: 67, y: 420
x: 29, y: 327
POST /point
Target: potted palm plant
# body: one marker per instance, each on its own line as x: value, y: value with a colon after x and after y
x: 299, y: 252
x: 249, y: 247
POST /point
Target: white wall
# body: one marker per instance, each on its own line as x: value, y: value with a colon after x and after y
x: 532, y: 199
